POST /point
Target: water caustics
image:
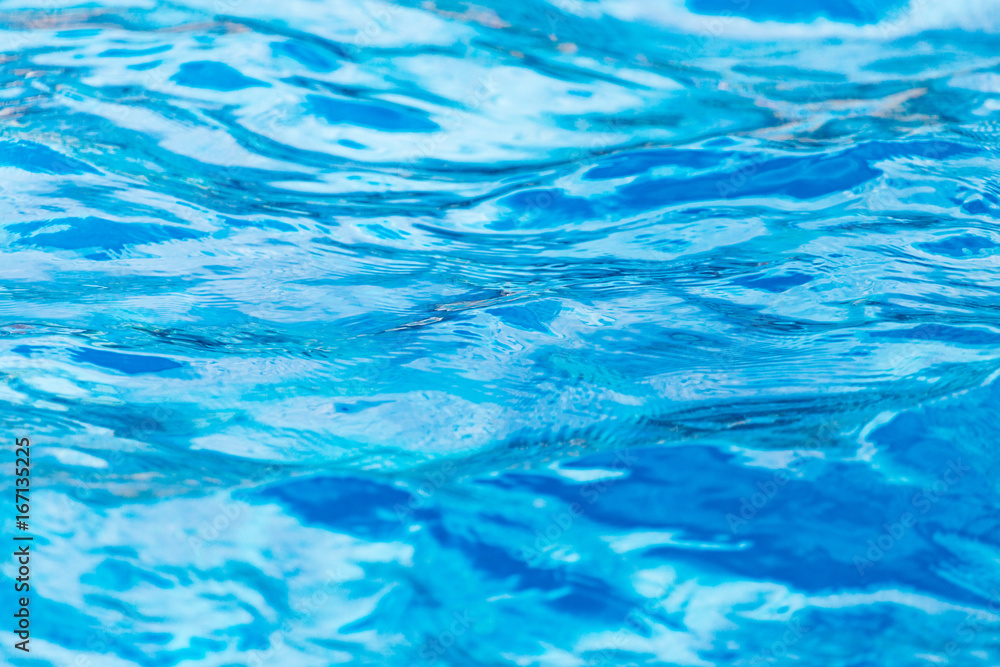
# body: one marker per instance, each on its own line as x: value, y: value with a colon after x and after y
x: 506, y: 333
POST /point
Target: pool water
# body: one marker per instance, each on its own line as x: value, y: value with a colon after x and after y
x: 535, y: 333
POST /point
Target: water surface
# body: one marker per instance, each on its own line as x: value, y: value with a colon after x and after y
x: 515, y: 333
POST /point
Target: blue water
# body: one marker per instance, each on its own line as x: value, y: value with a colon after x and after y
x: 522, y: 333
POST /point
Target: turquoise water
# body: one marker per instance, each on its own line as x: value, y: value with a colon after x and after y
x: 511, y: 333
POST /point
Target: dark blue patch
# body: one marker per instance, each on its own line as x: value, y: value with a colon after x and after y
x: 98, y: 233
x: 79, y: 33
x: 130, y: 364
x: 528, y: 318
x: 347, y: 143
x: 374, y: 115
x: 120, y: 575
x: 40, y: 159
x: 27, y: 350
x: 964, y: 245
x: 134, y: 53
x: 500, y: 563
x: 934, y: 437
x: 348, y: 504
x: 801, y: 177
x: 976, y: 207
x: 638, y: 162
x: 858, y: 12
x: 213, y: 76
x: 542, y: 208
x: 783, y: 530
x: 312, y: 56
x: 142, y: 67
x: 357, y: 406
x: 774, y: 284
x: 592, y: 598
x: 720, y: 142
x: 943, y: 333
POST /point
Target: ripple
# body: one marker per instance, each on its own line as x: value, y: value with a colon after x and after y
x: 512, y: 333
